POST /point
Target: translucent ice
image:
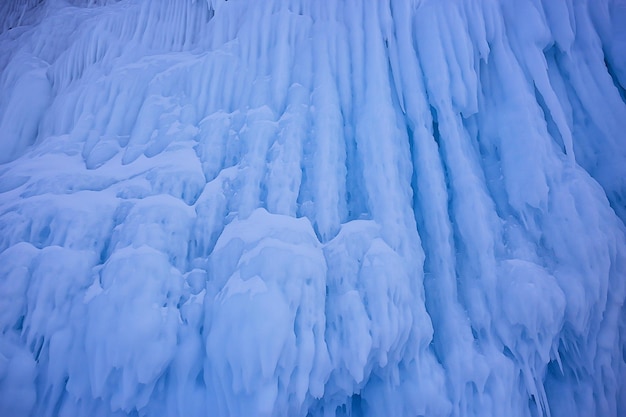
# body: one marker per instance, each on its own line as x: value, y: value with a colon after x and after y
x: 313, y: 208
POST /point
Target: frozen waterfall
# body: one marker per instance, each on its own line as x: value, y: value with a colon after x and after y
x: 312, y: 208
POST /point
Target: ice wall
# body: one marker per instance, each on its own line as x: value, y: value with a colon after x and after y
x: 313, y: 208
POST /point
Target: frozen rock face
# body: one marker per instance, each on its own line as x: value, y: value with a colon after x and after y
x: 313, y: 208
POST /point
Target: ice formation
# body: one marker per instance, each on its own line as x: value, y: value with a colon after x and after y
x: 313, y: 208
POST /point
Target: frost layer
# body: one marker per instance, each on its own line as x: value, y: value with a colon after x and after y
x: 312, y: 208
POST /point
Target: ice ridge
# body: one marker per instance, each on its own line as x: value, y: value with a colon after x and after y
x: 313, y: 208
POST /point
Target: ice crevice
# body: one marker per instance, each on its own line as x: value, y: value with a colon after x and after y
x: 304, y: 208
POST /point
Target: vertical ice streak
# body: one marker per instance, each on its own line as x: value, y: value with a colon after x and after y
x: 305, y: 208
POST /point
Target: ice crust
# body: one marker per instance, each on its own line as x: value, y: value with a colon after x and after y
x: 313, y: 208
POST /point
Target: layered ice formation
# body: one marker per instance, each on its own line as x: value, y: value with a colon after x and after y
x: 313, y: 208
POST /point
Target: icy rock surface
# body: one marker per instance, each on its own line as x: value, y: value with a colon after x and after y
x: 312, y: 208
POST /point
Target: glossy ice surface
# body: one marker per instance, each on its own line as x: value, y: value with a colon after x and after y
x: 313, y: 208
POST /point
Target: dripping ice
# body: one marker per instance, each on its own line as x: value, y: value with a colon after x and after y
x: 304, y: 208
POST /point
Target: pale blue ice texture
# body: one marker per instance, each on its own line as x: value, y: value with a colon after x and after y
x: 312, y: 208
